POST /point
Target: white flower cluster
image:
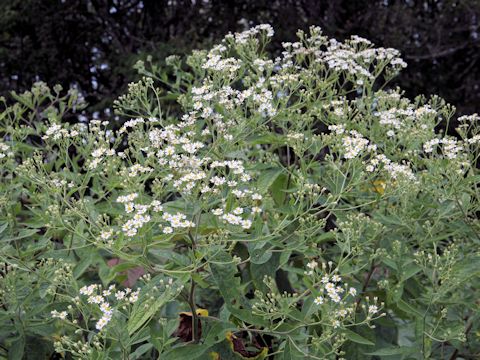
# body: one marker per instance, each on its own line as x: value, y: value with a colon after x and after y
x: 62, y: 315
x: 243, y: 37
x: 99, y: 156
x: 330, y: 288
x: 469, y: 118
x: 57, y: 132
x: 450, y: 147
x: 405, y: 119
x: 204, y: 98
x: 189, y: 171
x: 140, y: 218
x: 60, y: 183
x: 353, y: 143
x: 331, y: 292
x: 132, y: 123
x: 216, y: 63
x: 136, y: 169
x: 357, y: 60
x: 102, y: 298
x: 96, y: 295
x: 177, y: 220
x: 356, y: 57
x: 5, y: 150
x: 176, y: 151
x: 395, y: 170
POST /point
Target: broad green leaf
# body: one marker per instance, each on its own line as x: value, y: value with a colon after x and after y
x: 17, y: 349
x: 224, y: 271
x: 266, y: 179
x: 259, y: 271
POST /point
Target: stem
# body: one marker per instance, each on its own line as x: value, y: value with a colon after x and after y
x: 191, y: 298
x: 191, y: 303
x: 365, y: 284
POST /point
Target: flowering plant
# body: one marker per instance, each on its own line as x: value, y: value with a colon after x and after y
x: 286, y: 208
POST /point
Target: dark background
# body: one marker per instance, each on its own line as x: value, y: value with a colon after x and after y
x: 92, y: 44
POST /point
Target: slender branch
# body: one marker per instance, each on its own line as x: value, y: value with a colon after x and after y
x: 365, y: 284
x: 191, y: 303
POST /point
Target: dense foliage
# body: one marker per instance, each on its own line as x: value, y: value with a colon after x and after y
x: 295, y: 210
x: 93, y: 43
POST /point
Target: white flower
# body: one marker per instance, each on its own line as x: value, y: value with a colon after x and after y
x: 59, y: 315
x: 104, y: 320
x: 134, y: 296
x: 217, y: 212
x: 238, y: 211
x: 336, y: 278
x: 129, y: 207
x: 106, y: 234
x: 246, y: 224
x: 105, y: 308
x: 88, y: 290
x: 256, y: 210
x: 95, y: 299
x: 256, y: 196
x: 318, y: 300
x: 120, y: 295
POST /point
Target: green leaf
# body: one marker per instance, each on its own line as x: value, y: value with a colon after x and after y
x: 290, y: 352
x: 266, y: 179
x: 404, y: 306
x: 84, y: 263
x: 186, y: 352
x: 3, y: 227
x: 259, y: 271
x: 260, y: 255
x: 141, y: 314
x: 410, y: 271
x: 22, y: 234
x: 142, y: 349
x: 17, y: 349
x: 352, y: 336
x: 216, y: 333
x: 398, y: 350
x: 224, y: 271
x: 278, y: 189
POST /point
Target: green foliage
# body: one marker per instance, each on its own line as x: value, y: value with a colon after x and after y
x: 296, y: 209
